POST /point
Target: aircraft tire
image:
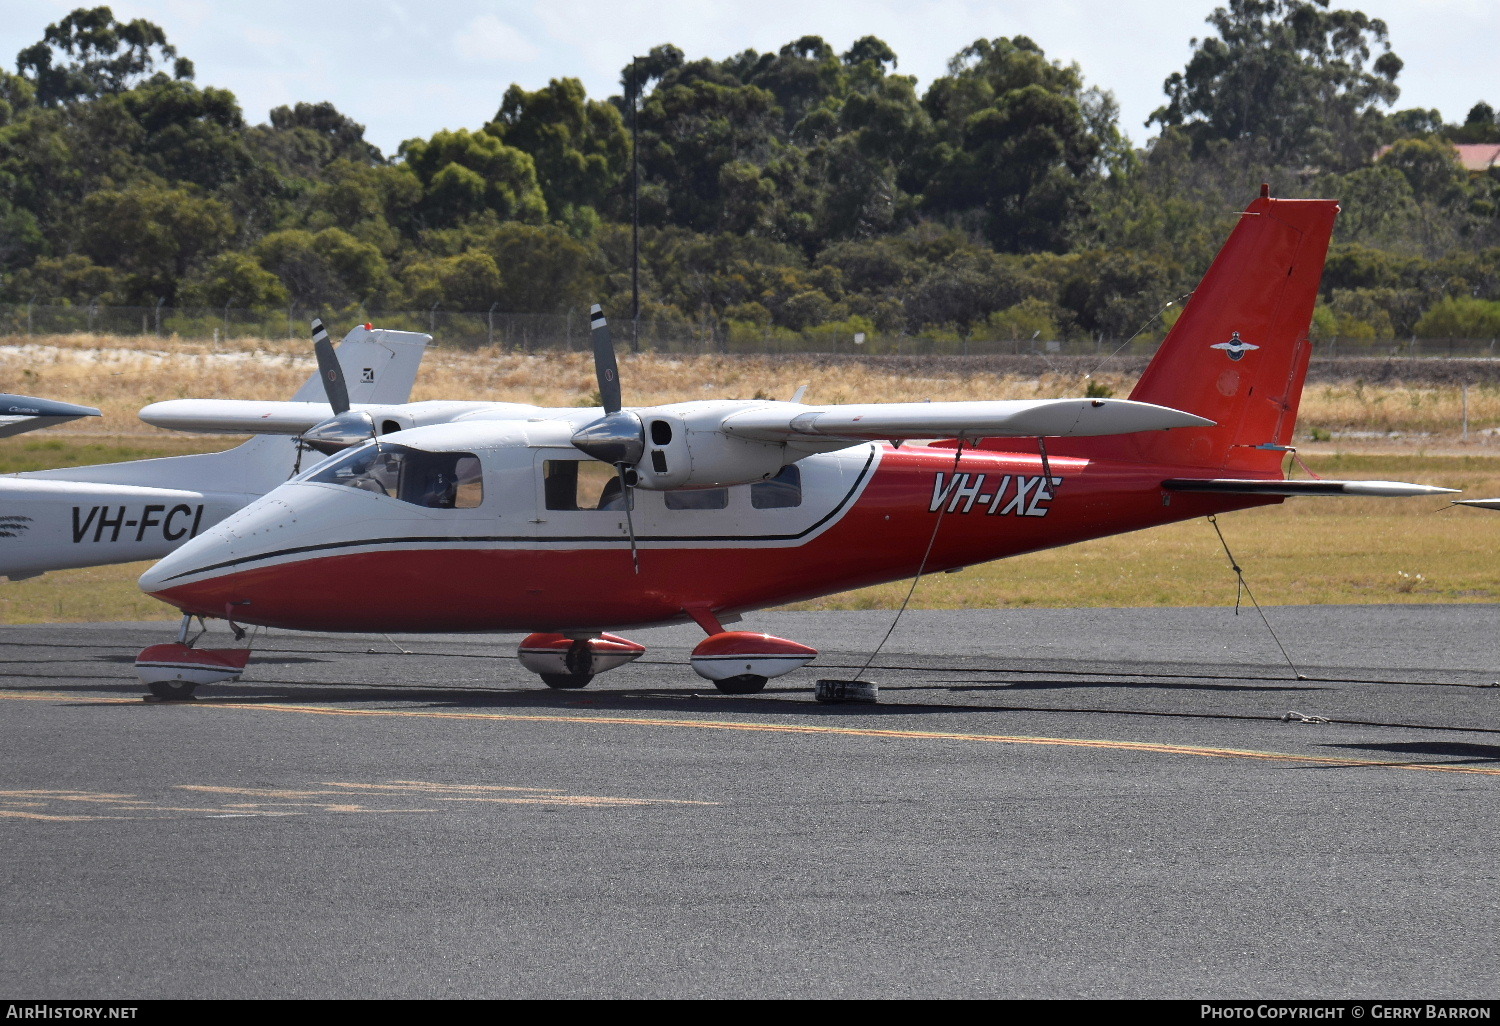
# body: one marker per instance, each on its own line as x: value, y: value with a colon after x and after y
x: 744, y: 684
x: 172, y: 689
x: 566, y: 681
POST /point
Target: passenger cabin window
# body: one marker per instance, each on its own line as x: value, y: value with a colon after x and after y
x: 698, y: 498
x: 437, y: 480
x: 582, y: 485
x: 781, y: 492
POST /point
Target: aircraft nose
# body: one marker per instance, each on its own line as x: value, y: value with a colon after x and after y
x: 218, y: 551
x: 201, y: 552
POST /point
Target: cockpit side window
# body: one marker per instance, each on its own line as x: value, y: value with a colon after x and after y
x: 437, y: 480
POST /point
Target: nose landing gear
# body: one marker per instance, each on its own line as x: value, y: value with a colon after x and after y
x: 171, y: 672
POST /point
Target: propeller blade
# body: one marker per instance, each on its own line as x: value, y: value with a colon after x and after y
x: 329, y: 369
x: 605, y: 368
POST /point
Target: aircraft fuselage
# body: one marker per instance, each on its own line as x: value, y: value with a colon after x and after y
x: 529, y: 555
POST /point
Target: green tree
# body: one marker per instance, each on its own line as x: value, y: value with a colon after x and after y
x: 327, y: 269
x: 1481, y: 126
x: 234, y: 280
x: 580, y: 146
x: 466, y: 281
x: 1018, y: 145
x: 698, y: 120
x: 154, y: 234
x: 465, y: 173
x: 1291, y: 74
x: 1461, y: 317
x: 304, y: 139
x: 89, y: 54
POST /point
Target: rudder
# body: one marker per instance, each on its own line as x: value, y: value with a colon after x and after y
x: 1238, y: 355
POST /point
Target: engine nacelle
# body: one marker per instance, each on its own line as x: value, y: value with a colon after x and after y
x: 685, y: 448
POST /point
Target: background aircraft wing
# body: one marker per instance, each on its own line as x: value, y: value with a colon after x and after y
x: 21, y: 413
x: 238, y: 416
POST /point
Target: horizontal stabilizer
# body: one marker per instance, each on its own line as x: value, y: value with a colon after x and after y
x: 239, y: 416
x: 1237, y: 486
x: 1020, y: 418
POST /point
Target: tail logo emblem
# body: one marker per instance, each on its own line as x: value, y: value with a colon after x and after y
x: 1236, y: 347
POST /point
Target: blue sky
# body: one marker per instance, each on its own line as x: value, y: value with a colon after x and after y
x: 405, y: 68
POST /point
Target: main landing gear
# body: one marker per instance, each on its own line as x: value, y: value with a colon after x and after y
x: 738, y: 662
x: 567, y: 663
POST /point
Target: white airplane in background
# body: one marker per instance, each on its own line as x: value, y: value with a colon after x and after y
x: 21, y: 413
x: 573, y: 523
x: 143, y: 509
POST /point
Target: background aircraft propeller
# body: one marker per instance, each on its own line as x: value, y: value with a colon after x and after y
x: 345, y: 427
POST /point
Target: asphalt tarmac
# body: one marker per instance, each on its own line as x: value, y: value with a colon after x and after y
x: 1044, y: 803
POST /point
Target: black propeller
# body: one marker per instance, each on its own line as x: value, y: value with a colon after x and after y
x: 329, y: 368
x: 618, y: 437
x: 345, y: 427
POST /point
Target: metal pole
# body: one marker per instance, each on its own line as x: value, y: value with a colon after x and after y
x: 635, y: 206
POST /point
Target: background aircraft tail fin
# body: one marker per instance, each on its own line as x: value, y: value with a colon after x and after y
x: 143, y: 509
x: 380, y: 366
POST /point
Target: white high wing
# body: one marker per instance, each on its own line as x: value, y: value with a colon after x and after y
x: 143, y: 509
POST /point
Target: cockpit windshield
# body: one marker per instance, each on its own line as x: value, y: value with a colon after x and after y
x: 439, y: 480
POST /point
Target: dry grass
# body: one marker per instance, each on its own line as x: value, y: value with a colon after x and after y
x: 119, y: 376
x: 1314, y: 551
x: 1305, y: 551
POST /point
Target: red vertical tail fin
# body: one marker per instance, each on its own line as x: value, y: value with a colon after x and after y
x: 1238, y: 354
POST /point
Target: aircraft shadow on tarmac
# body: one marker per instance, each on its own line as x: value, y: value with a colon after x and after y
x: 1189, y: 684
x: 1454, y: 751
x: 523, y: 697
x: 272, y: 661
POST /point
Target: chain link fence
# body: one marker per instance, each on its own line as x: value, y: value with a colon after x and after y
x: 569, y: 331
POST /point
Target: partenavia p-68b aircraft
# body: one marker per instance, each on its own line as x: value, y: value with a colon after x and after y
x: 574, y: 523
x: 143, y: 509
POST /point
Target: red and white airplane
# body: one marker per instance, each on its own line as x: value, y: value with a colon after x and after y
x: 572, y: 524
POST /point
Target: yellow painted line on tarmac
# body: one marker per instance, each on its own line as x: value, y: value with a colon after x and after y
x: 797, y: 728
